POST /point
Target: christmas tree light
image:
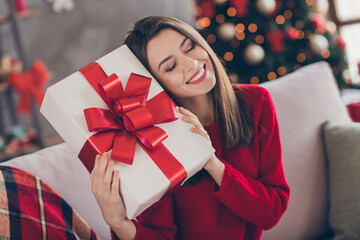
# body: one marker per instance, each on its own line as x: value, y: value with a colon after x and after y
x: 262, y: 40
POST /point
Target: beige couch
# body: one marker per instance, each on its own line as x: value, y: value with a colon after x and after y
x: 303, y: 100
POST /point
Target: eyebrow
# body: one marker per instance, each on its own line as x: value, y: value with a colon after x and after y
x: 167, y: 58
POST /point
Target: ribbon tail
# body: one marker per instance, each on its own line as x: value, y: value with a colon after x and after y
x: 97, y: 144
x: 124, y: 147
x: 168, y: 164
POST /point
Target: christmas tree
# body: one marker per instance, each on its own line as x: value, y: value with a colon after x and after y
x: 262, y: 40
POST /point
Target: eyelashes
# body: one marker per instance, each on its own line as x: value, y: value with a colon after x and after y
x: 191, y: 47
x: 174, y: 65
x: 171, y: 68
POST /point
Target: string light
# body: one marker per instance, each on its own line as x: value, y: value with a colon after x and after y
x: 203, y: 23
x: 281, y: 70
x: 299, y: 24
x: 199, y: 11
x: 240, y: 35
x: 271, y: 76
x: 211, y: 38
x: 288, y: 14
x: 301, y: 57
x: 280, y: 19
x: 240, y: 27
x: 252, y: 27
x: 310, y: 2
x: 259, y: 39
x: 254, y: 80
x: 228, y: 56
x: 291, y: 4
x: 307, y: 34
x: 300, y: 34
x: 231, y: 11
x: 220, y: 18
x: 325, y: 53
x: 235, y: 43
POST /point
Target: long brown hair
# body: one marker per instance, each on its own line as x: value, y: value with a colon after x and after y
x: 230, y: 109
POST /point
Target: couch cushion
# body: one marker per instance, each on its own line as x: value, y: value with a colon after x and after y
x: 303, y: 101
x: 60, y: 168
x: 343, y: 153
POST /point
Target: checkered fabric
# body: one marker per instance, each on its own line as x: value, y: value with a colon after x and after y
x: 30, y: 209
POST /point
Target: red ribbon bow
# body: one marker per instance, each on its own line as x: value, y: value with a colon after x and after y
x: 130, y: 119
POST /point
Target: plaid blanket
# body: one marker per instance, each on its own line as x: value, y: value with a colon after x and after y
x: 30, y: 209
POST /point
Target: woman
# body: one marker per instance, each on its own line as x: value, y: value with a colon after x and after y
x: 242, y: 188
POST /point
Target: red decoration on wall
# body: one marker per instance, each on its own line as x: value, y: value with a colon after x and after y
x: 20, y: 5
x: 208, y: 8
x: 29, y: 84
x: 241, y: 7
x: 276, y: 40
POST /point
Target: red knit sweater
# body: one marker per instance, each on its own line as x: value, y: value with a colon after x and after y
x: 253, y: 194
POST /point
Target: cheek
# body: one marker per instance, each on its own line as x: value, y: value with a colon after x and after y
x: 169, y: 83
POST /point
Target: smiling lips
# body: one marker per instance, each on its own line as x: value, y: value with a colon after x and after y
x: 198, y: 77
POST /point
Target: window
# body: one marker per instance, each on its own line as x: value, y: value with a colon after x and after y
x: 346, y: 15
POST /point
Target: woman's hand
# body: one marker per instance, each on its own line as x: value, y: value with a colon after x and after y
x: 105, y: 187
x: 213, y: 166
x: 193, y: 119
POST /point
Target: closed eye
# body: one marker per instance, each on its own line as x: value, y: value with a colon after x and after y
x: 171, y: 68
x: 191, y: 47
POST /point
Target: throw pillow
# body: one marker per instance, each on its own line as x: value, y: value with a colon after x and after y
x: 342, y: 143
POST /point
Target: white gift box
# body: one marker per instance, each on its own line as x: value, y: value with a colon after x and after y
x: 142, y: 183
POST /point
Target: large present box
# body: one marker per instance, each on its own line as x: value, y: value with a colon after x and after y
x: 152, y: 171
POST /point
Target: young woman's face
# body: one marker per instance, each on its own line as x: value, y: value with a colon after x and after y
x: 181, y: 66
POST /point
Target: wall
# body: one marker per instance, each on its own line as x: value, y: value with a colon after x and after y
x: 69, y: 41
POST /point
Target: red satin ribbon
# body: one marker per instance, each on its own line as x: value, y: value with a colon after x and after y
x: 29, y: 84
x: 129, y: 120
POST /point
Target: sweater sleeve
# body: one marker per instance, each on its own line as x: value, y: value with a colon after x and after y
x: 261, y: 201
x: 156, y: 222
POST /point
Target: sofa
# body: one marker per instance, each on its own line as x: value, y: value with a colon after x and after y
x: 304, y: 100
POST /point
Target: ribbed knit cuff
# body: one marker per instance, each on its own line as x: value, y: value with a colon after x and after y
x: 113, y: 235
x: 140, y: 233
x: 227, y: 184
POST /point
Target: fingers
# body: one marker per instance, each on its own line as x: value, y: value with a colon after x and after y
x: 104, y: 159
x: 115, y: 184
x: 202, y: 132
x: 108, y: 173
x: 193, y: 119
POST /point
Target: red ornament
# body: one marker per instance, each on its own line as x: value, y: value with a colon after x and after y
x: 340, y: 42
x: 276, y: 40
x: 291, y: 33
x: 277, y: 8
x: 241, y: 7
x: 319, y: 22
x: 208, y: 8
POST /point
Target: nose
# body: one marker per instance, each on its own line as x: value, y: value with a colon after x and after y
x: 189, y: 63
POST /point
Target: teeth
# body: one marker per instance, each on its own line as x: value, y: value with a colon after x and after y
x: 199, y: 75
